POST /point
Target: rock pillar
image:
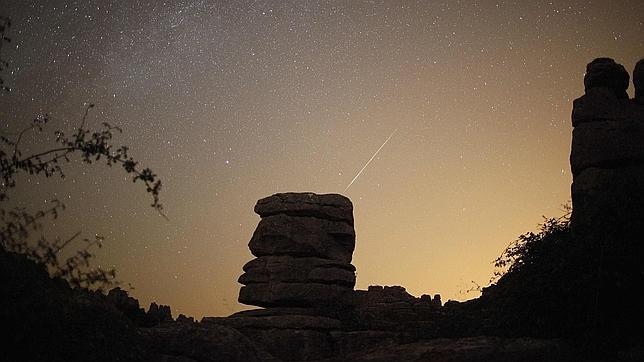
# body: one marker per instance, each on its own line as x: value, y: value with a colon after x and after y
x: 303, y: 244
x: 607, y: 223
x: 607, y: 158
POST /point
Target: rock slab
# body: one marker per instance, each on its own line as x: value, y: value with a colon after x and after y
x: 304, y: 243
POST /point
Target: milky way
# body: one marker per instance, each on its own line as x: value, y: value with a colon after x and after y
x: 233, y: 101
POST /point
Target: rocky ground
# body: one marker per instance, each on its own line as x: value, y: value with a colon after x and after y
x: 44, y: 320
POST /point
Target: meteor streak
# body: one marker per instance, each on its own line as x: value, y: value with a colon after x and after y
x: 371, y: 159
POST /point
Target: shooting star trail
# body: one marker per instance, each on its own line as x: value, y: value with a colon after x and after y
x: 371, y: 159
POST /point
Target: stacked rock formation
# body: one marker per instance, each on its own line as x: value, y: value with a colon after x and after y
x: 607, y: 157
x: 607, y: 161
x: 303, y: 244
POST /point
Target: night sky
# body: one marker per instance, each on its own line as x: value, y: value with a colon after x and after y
x: 232, y: 101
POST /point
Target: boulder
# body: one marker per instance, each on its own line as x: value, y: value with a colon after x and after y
x: 608, y: 199
x: 391, y: 308
x: 287, y: 333
x: 326, y: 206
x: 607, y: 155
x: 129, y: 306
x: 607, y: 144
x: 201, y: 342
x: 290, y: 269
x: 159, y: 314
x: 304, y: 245
x: 303, y: 236
x: 273, y: 294
x: 599, y: 104
x: 279, y: 321
x: 182, y: 318
x: 605, y: 72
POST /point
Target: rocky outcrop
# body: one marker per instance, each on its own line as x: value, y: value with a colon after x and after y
x: 392, y: 308
x: 129, y: 306
x: 43, y: 319
x: 302, y: 275
x: 328, y: 207
x: 303, y: 244
x: 159, y: 314
x: 607, y: 157
x: 286, y: 333
x: 606, y: 73
x: 638, y: 82
x: 470, y: 349
x: 607, y: 223
x: 200, y: 342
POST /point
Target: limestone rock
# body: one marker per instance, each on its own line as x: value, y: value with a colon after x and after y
x: 605, y: 72
x: 292, y: 294
x: 598, y: 104
x: 437, y: 300
x: 159, y: 313
x: 293, y: 344
x: 326, y: 206
x: 182, y: 318
x: 279, y: 321
x: 274, y: 312
x: 607, y: 144
x: 606, y: 199
x: 638, y: 82
x: 348, y: 343
x: 127, y: 305
x: 390, y: 308
x: 607, y: 221
x: 297, y: 270
x: 470, y: 349
x: 202, y: 342
x: 287, y: 333
x: 303, y: 236
x: 607, y: 154
x: 304, y: 245
x: 376, y: 294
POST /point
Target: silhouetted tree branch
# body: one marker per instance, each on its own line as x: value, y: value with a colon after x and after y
x: 17, y: 224
x: 527, y: 249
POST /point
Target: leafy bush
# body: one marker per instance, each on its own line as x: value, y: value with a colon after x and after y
x: 530, y: 293
x: 531, y: 249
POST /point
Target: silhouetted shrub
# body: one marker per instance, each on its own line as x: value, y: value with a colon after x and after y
x: 531, y: 250
x: 17, y: 224
x: 532, y: 294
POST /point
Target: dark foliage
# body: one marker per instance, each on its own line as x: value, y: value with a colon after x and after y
x: 553, y: 285
x: 15, y: 228
x: 531, y: 249
x: 530, y: 289
x: 45, y: 320
x: 90, y: 146
x: 532, y: 292
x: 18, y: 224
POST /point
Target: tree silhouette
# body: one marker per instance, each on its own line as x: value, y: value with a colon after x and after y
x: 17, y: 224
x: 531, y: 248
